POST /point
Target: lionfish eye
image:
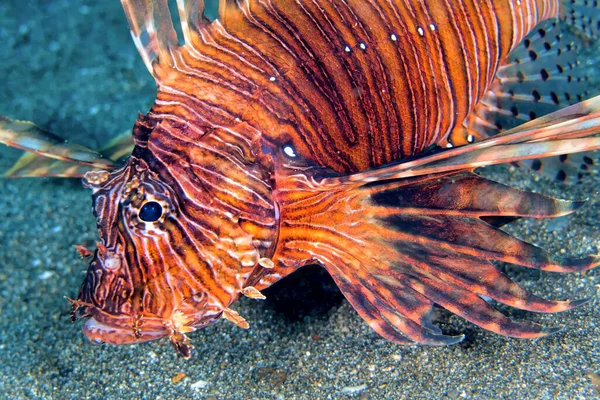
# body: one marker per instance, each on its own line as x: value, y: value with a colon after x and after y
x: 151, y: 211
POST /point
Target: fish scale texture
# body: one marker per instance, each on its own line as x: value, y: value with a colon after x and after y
x: 332, y: 354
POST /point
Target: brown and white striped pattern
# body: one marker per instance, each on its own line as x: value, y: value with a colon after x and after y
x: 218, y: 221
x: 351, y: 84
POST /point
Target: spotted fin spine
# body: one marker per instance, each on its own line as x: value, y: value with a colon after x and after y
x: 552, y: 68
x: 40, y: 166
x: 399, y: 239
x: 583, y: 16
x: 31, y: 138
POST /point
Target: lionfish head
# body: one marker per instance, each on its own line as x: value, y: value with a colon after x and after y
x: 173, y: 254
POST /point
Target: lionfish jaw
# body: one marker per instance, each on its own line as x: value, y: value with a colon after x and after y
x: 100, y: 333
x: 120, y: 330
x: 101, y: 328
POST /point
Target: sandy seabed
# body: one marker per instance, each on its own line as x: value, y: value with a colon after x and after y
x: 72, y: 68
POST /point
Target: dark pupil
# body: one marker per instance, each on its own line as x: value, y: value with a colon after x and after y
x: 151, y: 211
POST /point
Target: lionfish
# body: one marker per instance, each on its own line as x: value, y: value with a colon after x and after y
x: 342, y: 133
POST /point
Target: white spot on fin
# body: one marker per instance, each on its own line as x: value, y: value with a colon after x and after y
x: 289, y: 151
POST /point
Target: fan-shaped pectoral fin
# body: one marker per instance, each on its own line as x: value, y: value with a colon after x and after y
x: 397, y: 247
x: 393, y: 310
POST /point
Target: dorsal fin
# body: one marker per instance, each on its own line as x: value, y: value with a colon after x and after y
x: 225, y: 8
x: 152, y: 29
x: 554, y: 67
x: 191, y: 14
x: 583, y: 15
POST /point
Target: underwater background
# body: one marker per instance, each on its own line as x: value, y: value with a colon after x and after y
x: 71, y: 67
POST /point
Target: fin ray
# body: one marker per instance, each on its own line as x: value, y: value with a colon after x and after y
x: 386, y: 317
x: 474, y: 309
x: 392, y: 265
x: 39, y: 165
x: 483, y: 278
x: 151, y: 29
x: 191, y: 14
x: 29, y: 137
x: 552, y: 68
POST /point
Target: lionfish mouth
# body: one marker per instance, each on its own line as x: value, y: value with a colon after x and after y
x: 101, y: 328
x: 101, y: 333
x: 120, y: 331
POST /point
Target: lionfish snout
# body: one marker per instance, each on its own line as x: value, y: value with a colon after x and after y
x: 118, y: 313
x: 107, y: 298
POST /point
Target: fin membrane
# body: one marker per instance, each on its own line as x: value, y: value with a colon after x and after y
x: 152, y: 29
x: 583, y: 16
x: 33, y: 165
x: 29, y: 137
x: 552, y: 68
x: 397, y: 247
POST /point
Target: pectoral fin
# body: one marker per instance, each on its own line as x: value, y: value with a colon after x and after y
x: 48, y: 155
x: 397, y: 247
x: 403, y: 237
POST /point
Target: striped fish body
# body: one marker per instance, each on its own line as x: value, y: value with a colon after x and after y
x: 258, y: 158
x: 352, y: 85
